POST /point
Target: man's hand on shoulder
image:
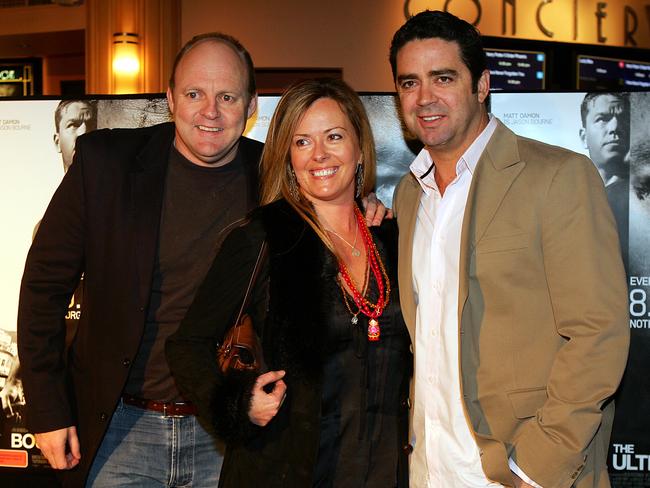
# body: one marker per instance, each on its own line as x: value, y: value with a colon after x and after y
x: 60, y: 447
x: 375, y: 211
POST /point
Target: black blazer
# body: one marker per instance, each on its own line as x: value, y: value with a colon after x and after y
x: 103, y: 221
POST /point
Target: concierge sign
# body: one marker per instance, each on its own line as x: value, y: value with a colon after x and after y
x: 612, y: 23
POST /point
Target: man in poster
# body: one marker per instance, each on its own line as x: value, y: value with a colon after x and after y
x: 72, y: 118
x: 629, y: 465
x: 512, y: 285
x: 605, y: 133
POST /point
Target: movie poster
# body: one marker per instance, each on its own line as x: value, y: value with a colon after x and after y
x: 395, y: 148
x: 619, y: 147
x: 37, y: 140
x: 630, y: 445
x: 28, y: 176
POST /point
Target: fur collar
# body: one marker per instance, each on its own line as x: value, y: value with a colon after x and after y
x: 303, y: 290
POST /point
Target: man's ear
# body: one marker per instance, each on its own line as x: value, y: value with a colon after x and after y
x: 583, y: 137
x: 483, y: 86
x: 252, y: 107
x: 57, y: 142
x: 170, y: 100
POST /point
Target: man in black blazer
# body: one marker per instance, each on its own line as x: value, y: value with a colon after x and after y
x: 141, y: 213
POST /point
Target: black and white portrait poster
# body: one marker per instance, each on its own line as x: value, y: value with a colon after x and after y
x: 614, y: 131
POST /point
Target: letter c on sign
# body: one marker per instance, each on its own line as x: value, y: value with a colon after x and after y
x: 538, y: 18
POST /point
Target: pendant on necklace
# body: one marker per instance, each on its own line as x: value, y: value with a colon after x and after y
x: 354, y: 320
x: 373, y: 330
x: 355, y: 252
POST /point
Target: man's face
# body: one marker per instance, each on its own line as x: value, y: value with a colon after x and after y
x: 210, y: 103
x: 606, y: 134
x: 77, y: 118
x: 435, y: 93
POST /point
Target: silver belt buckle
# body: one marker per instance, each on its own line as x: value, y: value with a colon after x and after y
x: 173, y: 416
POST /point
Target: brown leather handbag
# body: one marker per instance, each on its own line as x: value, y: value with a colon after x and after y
x: 241, y: 349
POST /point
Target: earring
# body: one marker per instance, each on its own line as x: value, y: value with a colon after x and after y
x: 359, y: 172
x: 293, y: 185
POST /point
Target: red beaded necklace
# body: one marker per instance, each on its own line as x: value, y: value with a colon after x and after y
x: 371, y: 310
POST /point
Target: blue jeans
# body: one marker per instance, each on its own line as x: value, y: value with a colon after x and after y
x: 146, y: 449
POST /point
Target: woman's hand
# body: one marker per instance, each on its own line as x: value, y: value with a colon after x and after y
x: 264, y: 406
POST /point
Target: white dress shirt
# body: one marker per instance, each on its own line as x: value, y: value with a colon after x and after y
x: 448, y: 455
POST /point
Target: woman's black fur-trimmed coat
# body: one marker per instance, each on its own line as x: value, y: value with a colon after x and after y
x: 295, y: 291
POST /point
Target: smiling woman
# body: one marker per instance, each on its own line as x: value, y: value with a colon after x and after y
x: 325, y: 154
x: 331, y: 410
x: 319, y: 141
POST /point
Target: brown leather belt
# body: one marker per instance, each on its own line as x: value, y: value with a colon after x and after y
x: 168, y: 409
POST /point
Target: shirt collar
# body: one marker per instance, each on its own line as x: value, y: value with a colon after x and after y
x: 423, y: 167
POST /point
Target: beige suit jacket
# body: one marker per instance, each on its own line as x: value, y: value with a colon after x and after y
x: 542, y: 310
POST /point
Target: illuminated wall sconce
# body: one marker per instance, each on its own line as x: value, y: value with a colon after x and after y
x: 126, y: 62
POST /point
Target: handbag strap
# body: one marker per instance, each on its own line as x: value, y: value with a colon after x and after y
x: 256, y: 271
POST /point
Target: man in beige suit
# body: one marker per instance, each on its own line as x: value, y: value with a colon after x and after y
x: 511, y: 283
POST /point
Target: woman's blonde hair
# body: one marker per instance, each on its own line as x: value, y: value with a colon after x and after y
x: 277, y: 176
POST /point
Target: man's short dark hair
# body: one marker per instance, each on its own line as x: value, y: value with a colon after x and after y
x: 225, y: 39
x: 91, y: 104
x: 589, y: 98
x: 442, y: 25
